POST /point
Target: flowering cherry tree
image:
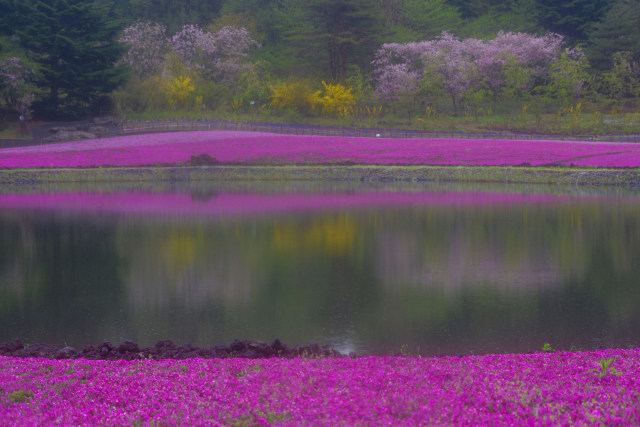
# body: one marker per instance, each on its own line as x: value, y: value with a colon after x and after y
x: 16, y: 85
x: 147, y: 46
x: 461, y: 65
x: 220, y: 55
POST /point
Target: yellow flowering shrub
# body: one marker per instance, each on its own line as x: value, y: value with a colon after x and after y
x: 338, y: 100
x: 180, y: 90
x: 295, y: 95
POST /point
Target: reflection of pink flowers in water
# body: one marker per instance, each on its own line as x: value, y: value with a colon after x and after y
x: 251, y: 203
x: 263, y: 148
x: 521, y: 389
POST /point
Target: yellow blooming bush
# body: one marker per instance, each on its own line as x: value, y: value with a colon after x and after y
x: 334, y: 100
x: 295, y: 95
x: 338, y: 100
x: 180, y: 91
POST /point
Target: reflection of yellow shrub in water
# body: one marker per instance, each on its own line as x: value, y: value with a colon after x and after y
x: 179, y: 251
x: 334, y: 235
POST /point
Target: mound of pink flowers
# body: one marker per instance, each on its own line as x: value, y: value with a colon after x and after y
x: 264, y: 148
x: 542, y: 388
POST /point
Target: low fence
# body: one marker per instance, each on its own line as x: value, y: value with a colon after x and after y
x: 149, y: 126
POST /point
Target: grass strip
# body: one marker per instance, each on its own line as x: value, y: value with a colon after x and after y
x: 502, y: 174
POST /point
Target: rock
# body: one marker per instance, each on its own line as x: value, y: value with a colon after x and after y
x: 102, y: 121
x: 59, y: 129
x: 72, y: 136
x: 261, y: 349
x: 164, y: 346
x: 98, y: 129
x: 67, y: 352
x: 37, y: 350
x: 128, y: 347
x: 161, y: 350
x: 129, y: 350
x: 279, y: 348
x: 11, y: 346
x: 238, y: 346
x: 187, y: 351
x: 202, y: 160
x: 65, y: 135
x: 90, y: 352
x: 105, y: 347
x: 221, y: 351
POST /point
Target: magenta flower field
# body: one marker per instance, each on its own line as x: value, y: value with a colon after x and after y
x: 543, y: 388
x: 264, y: 148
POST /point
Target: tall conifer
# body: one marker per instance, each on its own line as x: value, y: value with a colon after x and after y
x: 74, y: 44
x: 340, y: 33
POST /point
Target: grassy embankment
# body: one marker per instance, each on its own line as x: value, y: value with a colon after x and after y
x: 531, y: 175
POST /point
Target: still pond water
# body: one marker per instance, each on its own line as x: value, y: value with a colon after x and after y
x: 428, y: 269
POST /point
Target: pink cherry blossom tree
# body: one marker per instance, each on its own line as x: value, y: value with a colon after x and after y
x: 17, y: 85
x: 461, y: 66
x: 220, y: 55
x: 147, y: 45
x: 217, y: 56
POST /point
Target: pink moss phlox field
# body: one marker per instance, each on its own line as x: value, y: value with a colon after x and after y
x: 254, y: 203
x: 264, y: 148
x: 541, y: 388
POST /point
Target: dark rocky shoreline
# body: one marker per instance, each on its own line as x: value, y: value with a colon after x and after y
x: 129, y: 350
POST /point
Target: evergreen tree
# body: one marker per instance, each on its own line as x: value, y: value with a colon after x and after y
x: 573, y: 19
x: 173, y: 14
x: 270, y: 23
x: 339, y: 33
x: 412, y: 20
x: 619, y: 31
x: 476, y: 8
x: 5, y: 17
x: 73, y: 43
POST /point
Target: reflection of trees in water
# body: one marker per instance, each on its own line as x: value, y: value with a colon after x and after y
x: 463, y: 277
x: 425, y: 273
x: 437, y: 274
x: 17, y: 250
x: 510, y: 249
x: 281, y: 276
x: 63, y: 275
x: 186, y: 266
x: 192, y: 265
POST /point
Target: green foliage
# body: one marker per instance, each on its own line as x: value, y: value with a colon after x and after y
x: 253, y: 86
x: 517, y: 78
x: 605, y: 368
x: 547, y: 347
x: 71, y: 43
x: 514, y: 16
x: 141, y: 95
x: 334, y: 34
x: 74, y: 45
x: 571, y: 18
x: 173, y: 14
x: 568, y: 76
x: 410, y: 20
x: 294, y: 95
x: 214, y: 95
x: 20, y: 396
x: 623, y: 79
x: 475, y: 98
x: 617, y: 32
